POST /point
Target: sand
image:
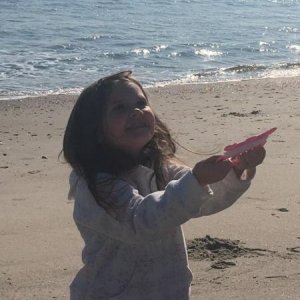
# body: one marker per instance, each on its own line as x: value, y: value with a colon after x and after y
x: 40, y: 248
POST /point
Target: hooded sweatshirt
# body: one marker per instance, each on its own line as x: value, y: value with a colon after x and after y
x: 137, y: 251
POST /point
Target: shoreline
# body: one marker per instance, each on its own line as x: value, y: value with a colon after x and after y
x: 41, y: 247
x: 76, y: 91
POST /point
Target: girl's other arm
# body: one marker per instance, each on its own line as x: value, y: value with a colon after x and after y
x: 150, y: 217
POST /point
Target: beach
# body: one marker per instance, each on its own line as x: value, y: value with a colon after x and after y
x: 40, y: 249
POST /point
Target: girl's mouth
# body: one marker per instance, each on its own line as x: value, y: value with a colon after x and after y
x: 136, y: 126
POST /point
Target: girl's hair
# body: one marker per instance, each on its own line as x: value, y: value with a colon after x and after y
x: 88, y: 154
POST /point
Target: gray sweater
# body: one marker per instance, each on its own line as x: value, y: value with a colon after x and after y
x: 138, y: 251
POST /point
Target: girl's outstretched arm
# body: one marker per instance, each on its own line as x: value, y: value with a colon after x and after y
x: 224, y: 194
x: 228, y: 190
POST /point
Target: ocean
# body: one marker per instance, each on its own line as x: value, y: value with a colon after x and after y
x: 50, y: 47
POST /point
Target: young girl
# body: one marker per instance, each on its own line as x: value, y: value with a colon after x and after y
x: 132, y: 196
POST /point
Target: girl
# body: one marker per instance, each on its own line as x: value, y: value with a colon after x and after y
x: 131, y: 196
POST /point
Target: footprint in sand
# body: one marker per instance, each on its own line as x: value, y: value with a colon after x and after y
x: 294, y: 249
x: 18, y: 199
x: 34, y: 172
x: 222, y: 264
x: 283, y: 209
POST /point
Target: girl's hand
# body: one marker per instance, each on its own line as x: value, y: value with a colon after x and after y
x: 211, y: 170
x: 248, y: 161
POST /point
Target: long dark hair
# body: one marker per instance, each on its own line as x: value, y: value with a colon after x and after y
x: 87, y: 156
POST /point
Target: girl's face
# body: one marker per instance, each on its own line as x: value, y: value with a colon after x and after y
x: 129, y: 120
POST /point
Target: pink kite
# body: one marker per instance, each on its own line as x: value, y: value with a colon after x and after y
x: 250, y: 143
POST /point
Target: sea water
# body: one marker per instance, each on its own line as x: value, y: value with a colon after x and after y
x: 61, y: 46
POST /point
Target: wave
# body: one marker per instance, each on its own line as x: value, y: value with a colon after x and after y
x: 94, y: 37
x: 244, y: 69
x: 140, y: 51
x: 209, y: 75
x: 295, y: 48
x: 208, y: 53
x: 288, y: 29
x: 147, y: 51
x: 237, y: 73
x: 18, y: 95
x: 285, y: 2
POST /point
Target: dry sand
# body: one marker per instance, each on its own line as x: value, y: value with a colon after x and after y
x: 40, y: 247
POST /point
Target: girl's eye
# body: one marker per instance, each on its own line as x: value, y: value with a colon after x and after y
x: 141, y: 103
x: 119, y: 108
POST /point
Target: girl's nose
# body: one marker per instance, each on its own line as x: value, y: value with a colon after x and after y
x: 137, y: 111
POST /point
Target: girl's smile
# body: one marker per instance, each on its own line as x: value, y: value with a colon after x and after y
x: 129, y: 121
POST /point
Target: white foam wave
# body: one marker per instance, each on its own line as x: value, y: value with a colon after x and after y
x: 225, y: 77
x: 174, y: 54
x: 146, y: 52
x: 208, y: 53
x: 267, y: 47
x: 190, y: 78
x: 281, y: 73
x: 295, y: 48
x: 141, y: 51
x: 284, y: 2
x: 159, y: 48
x: 261, y: 43
x: 288, y: 29
x: 94, y: 37
x: 23, y: 95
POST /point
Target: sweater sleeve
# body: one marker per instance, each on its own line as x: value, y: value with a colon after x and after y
x: 223, y: 194
x: 175, y: 171
x: 150, y: 217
